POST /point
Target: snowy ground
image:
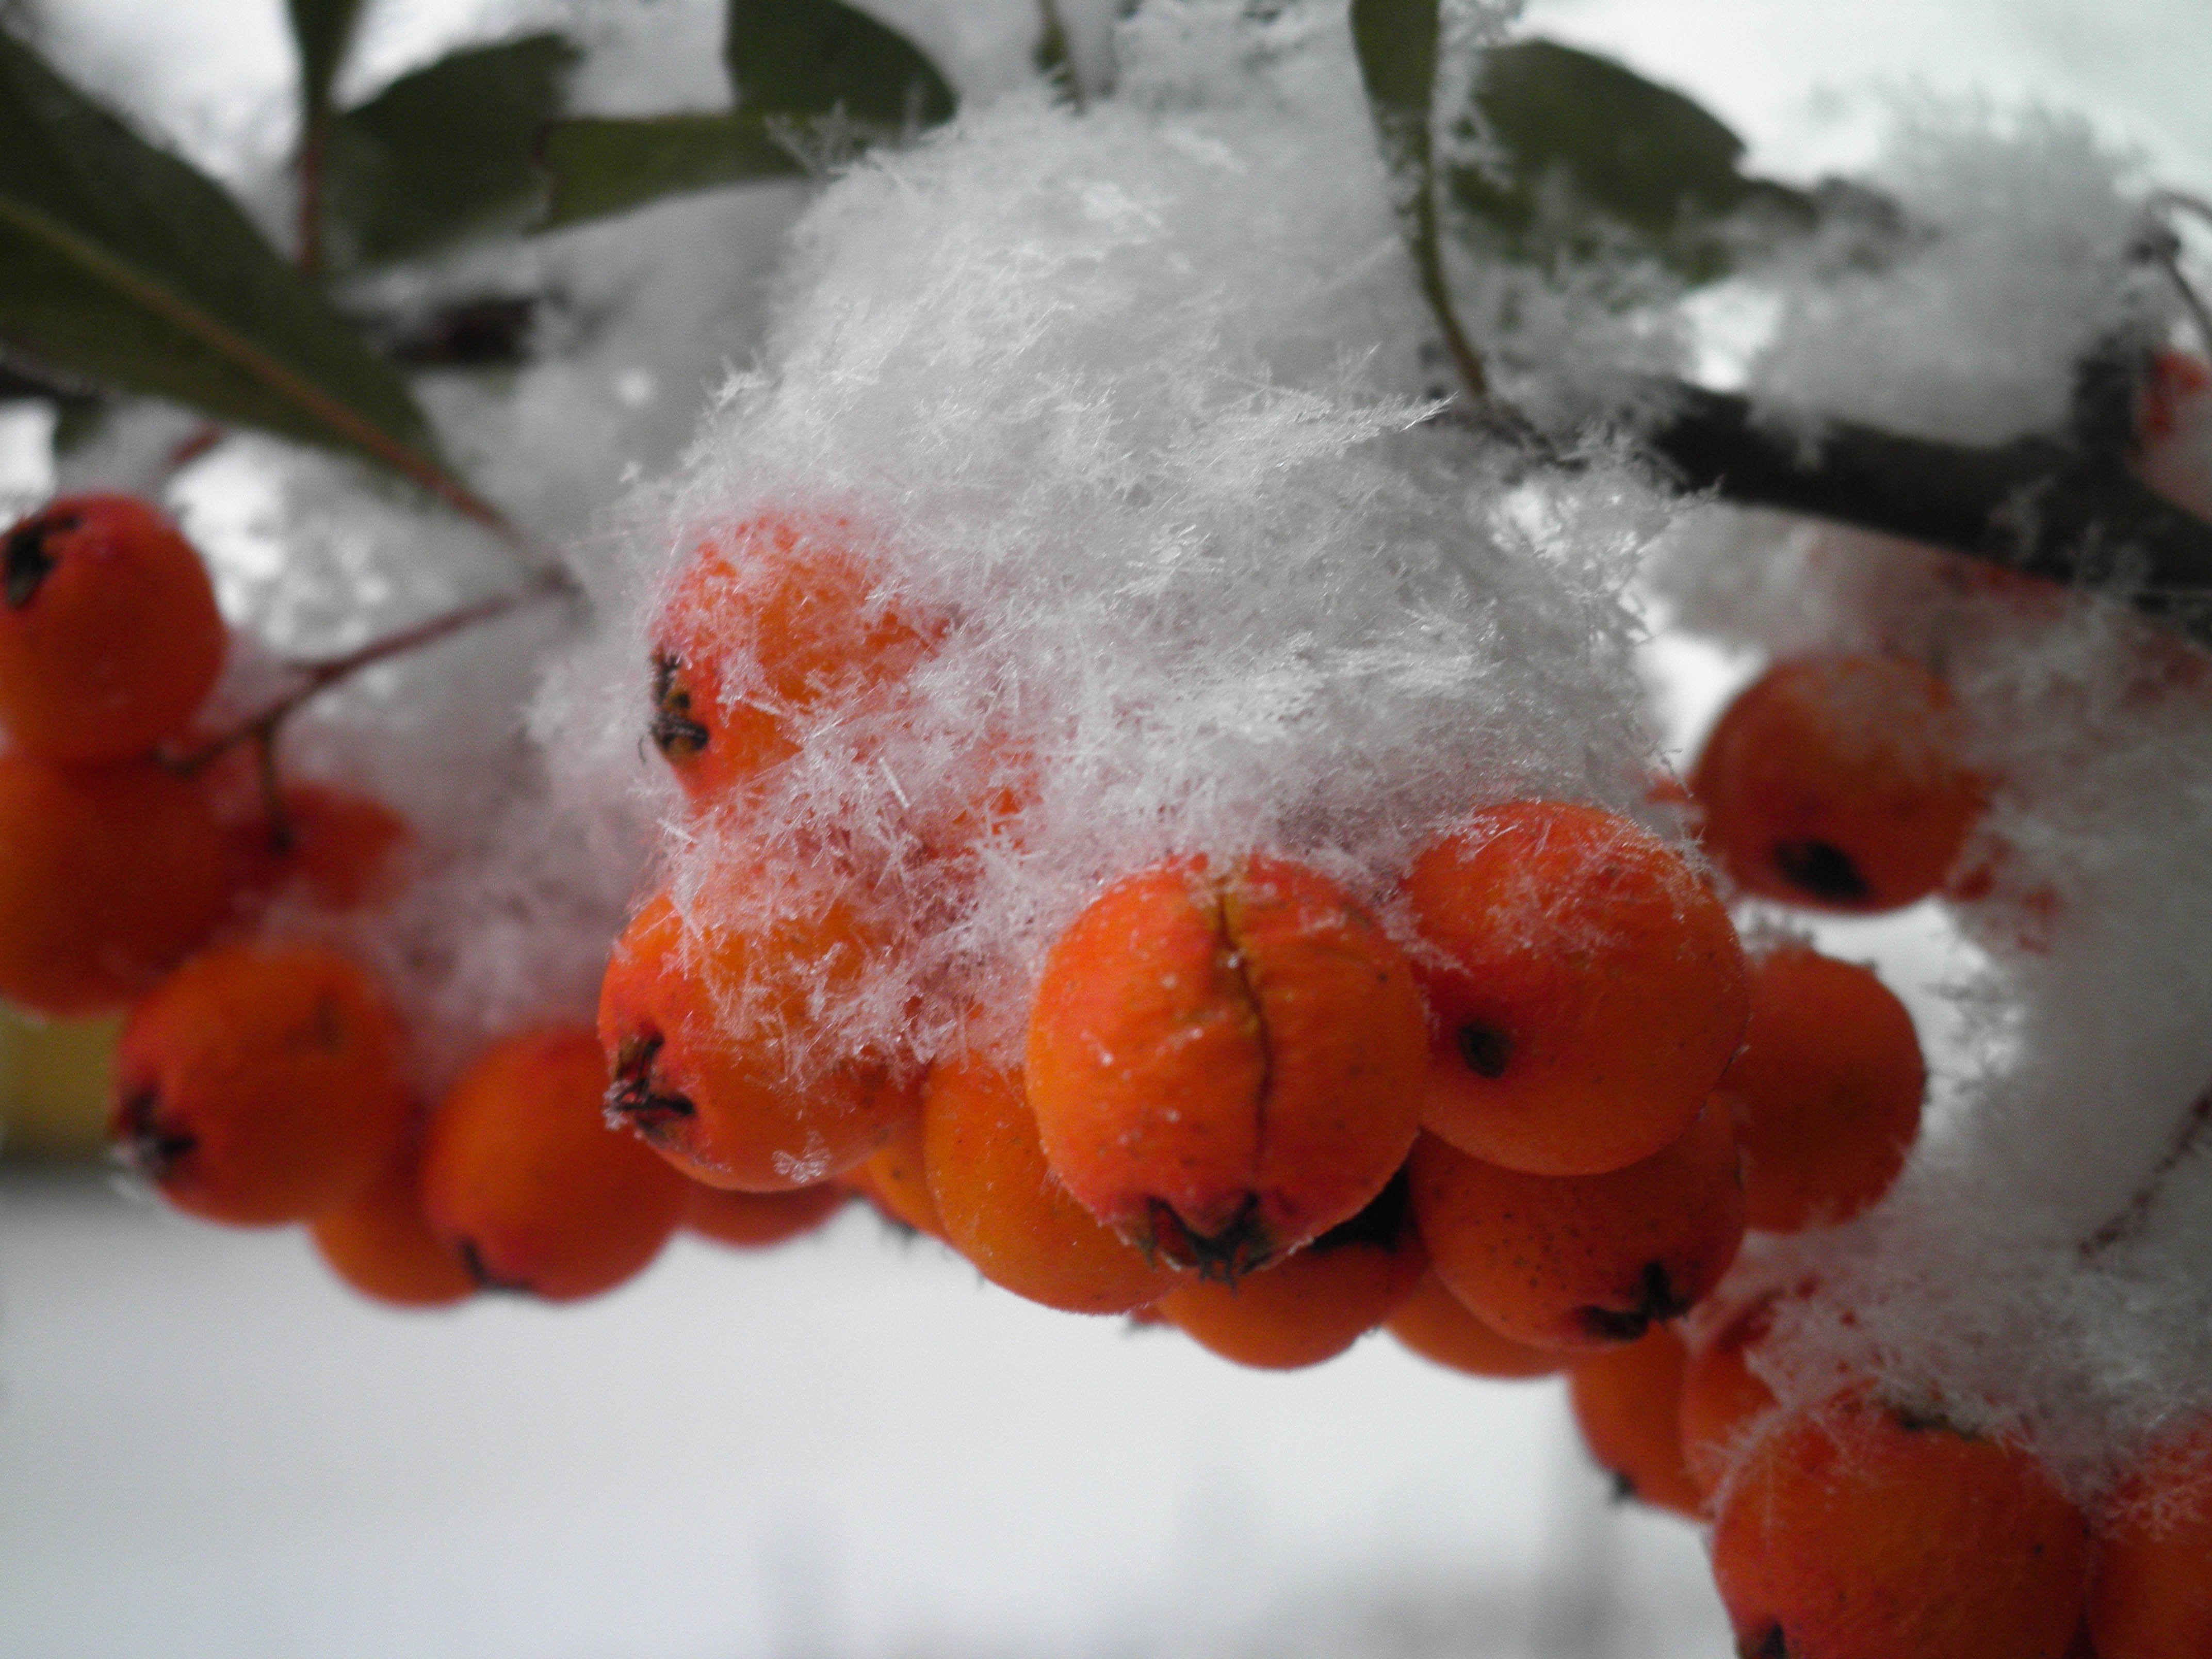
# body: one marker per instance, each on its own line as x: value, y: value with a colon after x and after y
x: 850, y: 1446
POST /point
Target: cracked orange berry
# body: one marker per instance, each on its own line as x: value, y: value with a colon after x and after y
x: 753, y: 1221
x: 1839, y: 782
x: 1313, y: 1305
x: 109, y: 634
x: 523, y: 1177
x: 1826, y: 1093
x: 261, y: 1084
x: 1581, y: 1261
x: 109, y: 875
x: 702, y: 1025
x: 381, y: 1244
x: 1437, y: 1325
x: 1586, y: 988
x: 1002, y: 1209
x: 772, y: 622
x: 2151, y: 1595
x: 1627, y: 1402
x: 1854, y: 1529
x: 1226, y: 1063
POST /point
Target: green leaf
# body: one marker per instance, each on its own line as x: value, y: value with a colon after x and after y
x: 443, y: 153
x: 600, y: 166
x: 321, y: 31
x: 1589, y: 154
x: 123, y: 265
x: 810, y: 56
x: 1396, y: 43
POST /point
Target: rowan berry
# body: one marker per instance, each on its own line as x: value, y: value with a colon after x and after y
x: 898, y: 1183
x: 1722, y: 1399
x: 1001, y: 1208
x: 1312, y: 1305
x: 523, y: 1177
x: 109, y: 634
x: 772, y: 622
x: 262, y: 1083
x: 1854, y: 1529
x: 1627, y: 1402
x: 381, y: 1244
x: 1586, y: 988
x: 108, y: 876
x: 1437, y: 1325
x: 2174, y: 431
x: 703, y: 1026
x: 752, y: 1221
x: 1839, y: 782
x: 1826, y: 1093
x: 1581, y: 1261
x: 1225, y: 1064
x: 2151, y: 1593
x: 335, y: 848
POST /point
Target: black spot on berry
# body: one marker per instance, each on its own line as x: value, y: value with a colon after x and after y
x: 25, y: 563
x: 1823, y: 870
x: 1486, y: 1050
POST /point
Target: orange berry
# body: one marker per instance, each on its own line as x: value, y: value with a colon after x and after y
x: 336, y: 847
x: 752, y: 1221
x: 380, y: 1244
x: 1853, y: 1530
x: 898, y: 1182
x: 700, y: 1025
x: 261, y: 1084
x: 522, y: 1176
x: 1581, y: 1261
x: 1586, y: 988
x: 109, y: 634
x: 1839, y: 782
x: 1722, y: 1400
x: 773, y: 621
x: 1437, y: 1325
x: 108, y: 876
x: 1225, y: 1066
x: 1001, y: 1208
x: 1826, y: 1093
x: 2151, y: 1596
x: 1627, y: 1402
x: 1313, y: 1305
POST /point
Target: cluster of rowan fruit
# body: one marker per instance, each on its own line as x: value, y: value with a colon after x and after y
x: 1521, y: 1119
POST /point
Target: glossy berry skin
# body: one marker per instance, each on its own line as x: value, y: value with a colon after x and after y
x: 1839, y: 782
x: 1000, y: 1206
x: 1586, y: 988
x: 1224, y: 1063
x: 772, y: 622
x: 754, y: 1221
x: 109, y: 634
x: 1826, y: 1093
x: 1583, y: 1261
x: 2151, y: 1597
x: 262, y: 1083
x: 380, y: 1244
x: 1855, y: 1530
x: 523, y: 1177
x: 1627, y: 1402
x: 108, y: 876
x: 1313, y: 1305
x: 1436, y: 1325
x: 715, y: 1095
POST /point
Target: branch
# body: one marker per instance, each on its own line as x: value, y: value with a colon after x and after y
x: 2036, y: 505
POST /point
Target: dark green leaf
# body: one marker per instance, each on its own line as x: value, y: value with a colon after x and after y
x: 1396, y: 42
x: 1589, y: 154
x: 810, y: 56
x: 443, y: 153
x: 321, y: 30
x: 123, y: 265
x: 601, y: 167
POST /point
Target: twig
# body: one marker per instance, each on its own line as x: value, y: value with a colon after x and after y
x: 2132, y: 1214
x: 318, y: 676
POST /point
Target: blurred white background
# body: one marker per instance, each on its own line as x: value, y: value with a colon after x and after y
x: 852, y: 1446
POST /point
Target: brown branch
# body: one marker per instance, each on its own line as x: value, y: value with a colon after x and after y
x: 2036, y: 505
x: 316, y: 676
x: 2131, y: 1215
